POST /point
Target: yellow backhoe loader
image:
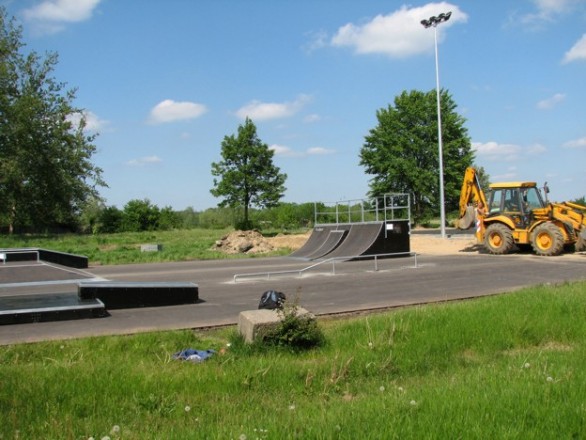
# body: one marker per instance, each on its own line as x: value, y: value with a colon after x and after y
x: 516, y: 215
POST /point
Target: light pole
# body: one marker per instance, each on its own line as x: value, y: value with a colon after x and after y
x: 433, y: 22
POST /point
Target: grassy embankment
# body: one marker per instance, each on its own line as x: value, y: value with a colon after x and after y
x: 508, y: 366
x: 123, y: 248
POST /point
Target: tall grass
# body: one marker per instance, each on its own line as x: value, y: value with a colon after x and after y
x: 508, y: 366
x: 121, y: 248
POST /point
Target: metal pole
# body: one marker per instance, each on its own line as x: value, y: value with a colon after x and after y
x: 433, y: 22
x: 439, y: 135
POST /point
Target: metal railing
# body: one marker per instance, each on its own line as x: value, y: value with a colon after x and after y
x: 395, y: 206
x: 302, y: 271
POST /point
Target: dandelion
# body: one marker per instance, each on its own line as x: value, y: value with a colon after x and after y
x: 115, y: 430
x: 370, y: 345
x: 187, y: 408
x: 400, y: 389
x: 413, y: 403
x: 549, y: 379
x: 382, y: 388
x: 292, y: 407
x: 527, y: 365
x: 106, y: 437
x: 242, y: 437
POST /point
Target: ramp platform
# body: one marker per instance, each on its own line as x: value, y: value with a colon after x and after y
x: 21, y: 309
x: 126, y: 295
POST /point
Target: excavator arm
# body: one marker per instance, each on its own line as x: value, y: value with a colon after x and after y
x: 470, y: 196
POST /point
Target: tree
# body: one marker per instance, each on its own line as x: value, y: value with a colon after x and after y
x: 46, y: 173
x: 401, y: 152
x: 247, y: 174
x: 140, y: 215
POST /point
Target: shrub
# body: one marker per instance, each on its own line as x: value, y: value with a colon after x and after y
x: 296, y: 331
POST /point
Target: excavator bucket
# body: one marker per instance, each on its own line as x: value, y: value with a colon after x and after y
x: 468, y: 219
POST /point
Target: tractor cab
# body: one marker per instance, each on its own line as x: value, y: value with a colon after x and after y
x: 515, y: 200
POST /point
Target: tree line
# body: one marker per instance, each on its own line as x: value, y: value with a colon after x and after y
x: 142, y: 215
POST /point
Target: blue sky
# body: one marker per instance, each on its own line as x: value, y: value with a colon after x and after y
x: 164, y: 81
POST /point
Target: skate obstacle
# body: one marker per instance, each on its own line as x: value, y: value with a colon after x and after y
x: 93, y: 298
x: 347, y: 241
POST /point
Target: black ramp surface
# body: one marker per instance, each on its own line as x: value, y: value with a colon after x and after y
x: 317, y: 238
x: 361, y: 237
x: 332, y: 242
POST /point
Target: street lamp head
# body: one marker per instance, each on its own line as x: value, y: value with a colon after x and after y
x: 434, y: 21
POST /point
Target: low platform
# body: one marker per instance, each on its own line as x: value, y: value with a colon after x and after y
x: 22, y: 309
x: 127, y: 295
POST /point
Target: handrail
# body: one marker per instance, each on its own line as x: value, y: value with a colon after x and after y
x: 333, y: 260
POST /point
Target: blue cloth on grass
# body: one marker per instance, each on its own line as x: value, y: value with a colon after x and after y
x: 192, y: 355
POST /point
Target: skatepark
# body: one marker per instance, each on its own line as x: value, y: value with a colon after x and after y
x: 331, y: 288
x: 344, y: 267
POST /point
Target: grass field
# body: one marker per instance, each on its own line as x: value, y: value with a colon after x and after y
x: 502, y: 367
x: 123, y: 248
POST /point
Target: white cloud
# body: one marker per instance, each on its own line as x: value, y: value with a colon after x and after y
x: 399, y: 34
x: 551, y: 102
x: 92, y: 121
x: 577, y: 52
x: 535, y: 149
x: 49, y: 16
x: 548, y: 11
x: 262, y: 111
x: 576, y: 143
x: 312, y: 118
x: 281, y: 150
x: 147, y: 160
x: 495, y: 152
x: 171, y: 111
x: 319, y: 151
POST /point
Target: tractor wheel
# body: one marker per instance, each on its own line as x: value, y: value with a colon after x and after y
x: 547, y: 240
x: 580, y: 245
x: 498, y: 239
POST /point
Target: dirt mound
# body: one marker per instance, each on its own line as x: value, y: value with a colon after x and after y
x: 243, y: 242
x: 253, y: 242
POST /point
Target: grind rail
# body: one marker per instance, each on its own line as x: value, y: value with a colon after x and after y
x: 302, y: 271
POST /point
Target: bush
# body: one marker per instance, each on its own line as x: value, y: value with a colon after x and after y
x: 294, y: 331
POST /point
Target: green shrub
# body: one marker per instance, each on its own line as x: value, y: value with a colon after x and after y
x: 296, y: 331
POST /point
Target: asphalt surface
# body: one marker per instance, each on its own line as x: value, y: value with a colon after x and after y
x: 325, y: 289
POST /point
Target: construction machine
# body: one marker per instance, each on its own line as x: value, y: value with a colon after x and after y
x: 516, y: 215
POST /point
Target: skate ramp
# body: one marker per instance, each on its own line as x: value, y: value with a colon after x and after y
x: 333, y: 240
x: 376, y: 238
x: 317, y: 239
x: 361, y: 237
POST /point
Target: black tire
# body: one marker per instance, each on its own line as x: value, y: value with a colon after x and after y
x: 547, y: 240
x: 498, y: 239
x: 580, y: 245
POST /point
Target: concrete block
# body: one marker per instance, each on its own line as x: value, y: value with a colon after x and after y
x: 253, y: 323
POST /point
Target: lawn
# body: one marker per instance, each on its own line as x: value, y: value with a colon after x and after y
x: 506, y: 366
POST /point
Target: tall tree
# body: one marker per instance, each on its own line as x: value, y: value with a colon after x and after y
x: 247, y: 174
x: 46, y: 173
x: 401, y: 152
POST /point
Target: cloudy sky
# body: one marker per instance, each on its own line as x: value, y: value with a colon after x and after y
x: 163, y: 82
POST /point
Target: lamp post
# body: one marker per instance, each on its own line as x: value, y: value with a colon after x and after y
x: 433, y: 22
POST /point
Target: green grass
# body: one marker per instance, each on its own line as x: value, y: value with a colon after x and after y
x: 123, y: 248
x: 507, y: 366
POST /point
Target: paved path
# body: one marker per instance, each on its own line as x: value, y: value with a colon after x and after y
x: 355, y: 286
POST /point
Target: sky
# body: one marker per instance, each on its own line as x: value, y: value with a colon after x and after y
x: 163, y: 82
